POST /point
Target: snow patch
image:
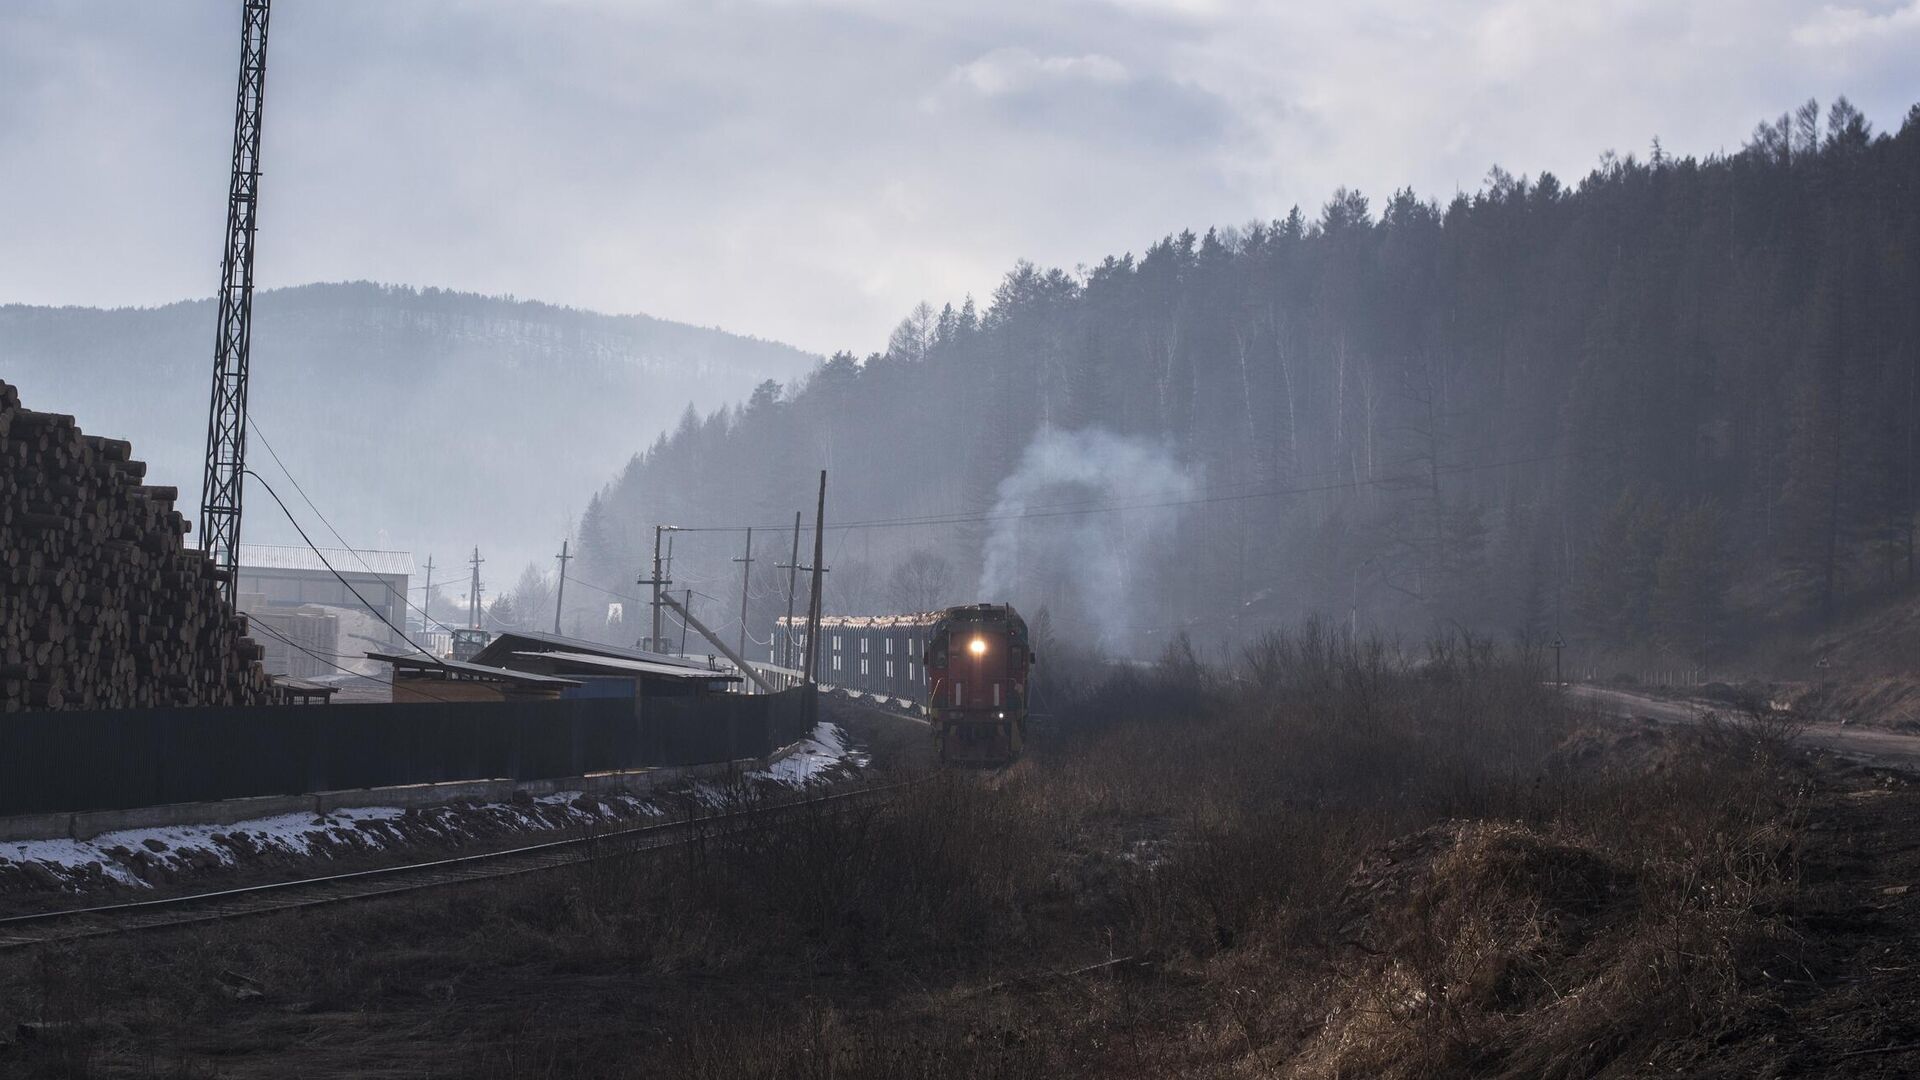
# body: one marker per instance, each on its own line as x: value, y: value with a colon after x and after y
x: 811, y: 761
x: 131, y: 857
x: 811, y: 758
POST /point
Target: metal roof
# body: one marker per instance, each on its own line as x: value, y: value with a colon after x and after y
x: 362, y: 561
x: 501, y: 646
x: 868, y: 622
x: 633, y: 667
x: 304, y: 687
x: 484, y: 671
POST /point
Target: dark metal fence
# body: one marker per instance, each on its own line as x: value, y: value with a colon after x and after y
x: 122, y: 758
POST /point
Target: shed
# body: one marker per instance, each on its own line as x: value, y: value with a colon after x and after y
x: 303, y: 691
x: 418, y: 677
x: 642, y: 673
x: 658, y: 677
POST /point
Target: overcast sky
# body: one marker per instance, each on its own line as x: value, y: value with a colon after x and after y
x: 807, y: 171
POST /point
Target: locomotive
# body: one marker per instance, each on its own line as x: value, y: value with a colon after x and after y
x: 968, y: 667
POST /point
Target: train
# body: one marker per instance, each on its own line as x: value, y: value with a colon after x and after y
x: 969, y: 667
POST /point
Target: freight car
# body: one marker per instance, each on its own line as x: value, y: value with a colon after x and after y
x: 967, y: 666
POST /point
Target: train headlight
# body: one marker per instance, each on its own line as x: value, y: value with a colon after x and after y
x: 978, y: 646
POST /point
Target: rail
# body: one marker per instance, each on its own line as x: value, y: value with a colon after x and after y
x: 71, y: 924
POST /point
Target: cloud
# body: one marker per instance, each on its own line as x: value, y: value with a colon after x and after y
x: 1015, y: 70
x: 1837, y: 25
x: 808, y: 170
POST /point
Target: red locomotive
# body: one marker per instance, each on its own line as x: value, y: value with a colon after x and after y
x: 968, y: 667
x: 978, y: 660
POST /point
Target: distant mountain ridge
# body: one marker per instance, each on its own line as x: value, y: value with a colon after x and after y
x: 415, y: 418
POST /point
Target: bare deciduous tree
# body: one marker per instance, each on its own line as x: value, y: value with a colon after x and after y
x: 921, y: 582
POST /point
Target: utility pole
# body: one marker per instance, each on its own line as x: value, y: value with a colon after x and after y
x: 1559, y: 645
x: 793, y: 569
x: 656, y: 582
x: 746, y: 576
x: 560, y: 598
x: 687, y: 609
x: 226, y: 464
x: 819, y: 553
x: 812, y: 613
x: 426, y: 598
x: 659, y: 579
x: 473, y: 593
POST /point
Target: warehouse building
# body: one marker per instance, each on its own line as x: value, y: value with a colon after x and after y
x: 290, y: 589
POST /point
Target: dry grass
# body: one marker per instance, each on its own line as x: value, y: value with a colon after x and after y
x: 1336, y: 859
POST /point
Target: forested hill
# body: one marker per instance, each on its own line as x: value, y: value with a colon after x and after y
x: 1663, y: 404
x: 418, y: 419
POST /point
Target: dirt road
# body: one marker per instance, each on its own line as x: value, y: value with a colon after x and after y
x: 1872, y: 746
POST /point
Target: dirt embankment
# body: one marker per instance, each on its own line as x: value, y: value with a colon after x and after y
x: 1861, y: 670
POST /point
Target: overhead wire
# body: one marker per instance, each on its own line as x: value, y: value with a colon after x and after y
x: 1214, y: 492
x: 388, y: 683
x: 295, y: 522
x: 254, y: 428
x: 1222, y: 495
x: 609, y: 592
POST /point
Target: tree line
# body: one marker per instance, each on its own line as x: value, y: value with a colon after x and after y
x: 1670, y: 404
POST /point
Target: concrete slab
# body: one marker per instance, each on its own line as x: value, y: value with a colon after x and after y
x: 91, y: 823
x: 36, y: 826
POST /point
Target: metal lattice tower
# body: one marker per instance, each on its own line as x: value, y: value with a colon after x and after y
x: 227, y: 415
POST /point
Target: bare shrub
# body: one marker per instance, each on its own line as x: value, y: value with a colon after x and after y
x: 1337, y: 858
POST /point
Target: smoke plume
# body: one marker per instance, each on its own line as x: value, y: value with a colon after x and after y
x: 1053, y: 544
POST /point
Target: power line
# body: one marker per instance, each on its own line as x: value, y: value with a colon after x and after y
x: 1088, y: 507
x: 941, y: 519
x: 609, y: 592
x: 1069, y: 510
x: 326, y: 658
x: 388, y: 683
x: 253, y: 426
x: 323, y: 561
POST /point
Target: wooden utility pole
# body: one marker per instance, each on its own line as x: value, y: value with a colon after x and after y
x: 793, y: 571
x: 746, y: 576
x: 473, y: 592
x: 426, y: 597
x: 819, y: 553
x: 683, y: 621
x: 560, y: 598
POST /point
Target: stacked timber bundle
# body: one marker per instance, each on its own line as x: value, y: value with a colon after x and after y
x: 101, y: 603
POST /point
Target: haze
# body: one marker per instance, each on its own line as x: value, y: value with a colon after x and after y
x: 807, y: 172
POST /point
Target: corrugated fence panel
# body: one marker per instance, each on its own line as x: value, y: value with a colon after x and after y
x: 116, y: 759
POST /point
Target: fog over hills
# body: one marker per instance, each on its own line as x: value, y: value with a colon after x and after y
x: 1659, y: 408
x: 421, y: 420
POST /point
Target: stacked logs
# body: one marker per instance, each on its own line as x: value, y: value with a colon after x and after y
x: 101, y: 603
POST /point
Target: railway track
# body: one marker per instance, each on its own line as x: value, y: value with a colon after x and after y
x: 43, y: 928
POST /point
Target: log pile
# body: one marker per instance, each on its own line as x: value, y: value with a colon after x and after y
x: 102, y: 605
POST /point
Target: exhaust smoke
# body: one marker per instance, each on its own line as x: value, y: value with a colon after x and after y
x: 1052, y: 545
